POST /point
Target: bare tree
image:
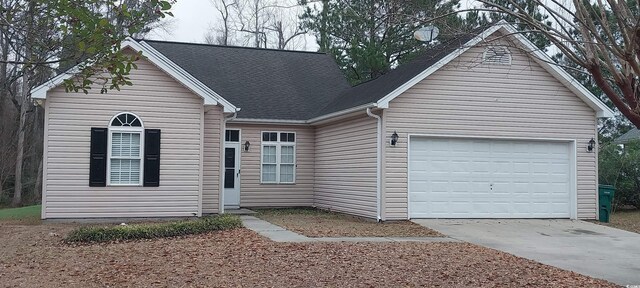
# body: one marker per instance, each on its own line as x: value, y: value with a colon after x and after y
x: 281, y: 25
x: 226, y: 9
x: 257, y: 23
x: 602, y: 37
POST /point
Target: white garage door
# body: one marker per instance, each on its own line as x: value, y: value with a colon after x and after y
x: 480, y: 178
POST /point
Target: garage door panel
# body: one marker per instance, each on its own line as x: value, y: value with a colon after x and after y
x: 481, y: 178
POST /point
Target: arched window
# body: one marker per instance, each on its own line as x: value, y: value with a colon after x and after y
x: 126, y: 120
x: 126, y: 138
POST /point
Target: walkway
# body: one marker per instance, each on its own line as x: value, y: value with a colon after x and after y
x: 279, y: 234
x: 587, y: 248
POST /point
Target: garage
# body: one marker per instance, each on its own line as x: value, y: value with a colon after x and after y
x: 490, y: 178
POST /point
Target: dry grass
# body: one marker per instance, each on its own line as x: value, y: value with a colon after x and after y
x: 626, y: 220
x: 35, y: 256
x: 319, y: 223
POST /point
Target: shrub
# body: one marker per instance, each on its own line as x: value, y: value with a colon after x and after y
x: 156, y: 230
x: 620, y: 167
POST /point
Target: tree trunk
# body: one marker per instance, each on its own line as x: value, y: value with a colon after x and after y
x: 324, y: 39
x: 38, y: 188
x: 24, y: 107
x: 257, y: 33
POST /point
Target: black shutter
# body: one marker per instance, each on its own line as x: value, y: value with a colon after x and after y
x: 151, y: 157
x: 98, y: 160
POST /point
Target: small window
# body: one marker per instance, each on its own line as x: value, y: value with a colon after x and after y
x: 270, y: 136
x: 125, y: 150
x: 496, y: 55
x: 126, y: 120
x: 287, y: 137
x: 278, y: 157
x: 232, y: 136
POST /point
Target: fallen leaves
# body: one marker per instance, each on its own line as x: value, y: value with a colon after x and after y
x: 318, y: 223
x: 242, y: 258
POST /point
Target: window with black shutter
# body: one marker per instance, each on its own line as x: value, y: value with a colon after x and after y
x: 125, y: 154
x: 98, y: 160
x: 151, y: 158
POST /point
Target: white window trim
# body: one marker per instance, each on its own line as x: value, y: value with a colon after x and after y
x: 119, y: 129
x: 278, y: 145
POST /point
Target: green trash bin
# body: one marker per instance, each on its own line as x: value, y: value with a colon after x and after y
x: 605, y: 196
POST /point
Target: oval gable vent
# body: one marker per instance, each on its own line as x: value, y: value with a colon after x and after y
x: 496, y: 55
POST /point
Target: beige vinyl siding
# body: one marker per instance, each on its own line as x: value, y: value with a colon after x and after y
x: 161, y: 103
x: 345, y: 166
x: 467, y: 98
x: 213, y: 121
x: 255, y: 194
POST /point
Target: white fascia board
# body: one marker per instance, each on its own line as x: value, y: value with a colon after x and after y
x: 540, y: 57
x: 40, y: 92
x: 210, y: 97
x: 267, y: 121
x: 603, y: 111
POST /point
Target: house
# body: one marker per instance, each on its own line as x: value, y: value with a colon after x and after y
x: 480, y: 127
x: 631, y: 135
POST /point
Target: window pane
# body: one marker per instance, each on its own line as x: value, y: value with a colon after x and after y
x: 229, y: 178
x: 287, y: 137
x: 273, y: 136
x: 136, y: 123
x: 125, y: 145
x: 116, y: 144
x: 286, y: 173
x: 268, y: 173
x: 134, y: 148
x: 269, y: 154
x: 234, y: 136
x: 286, y: 154
x: 125, y: 171
x: 265, y: 136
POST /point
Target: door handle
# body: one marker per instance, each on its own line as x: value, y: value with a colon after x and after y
x: 238, y: 174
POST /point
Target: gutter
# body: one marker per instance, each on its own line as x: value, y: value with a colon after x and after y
x: 378, y: 163
x: 341, y: 112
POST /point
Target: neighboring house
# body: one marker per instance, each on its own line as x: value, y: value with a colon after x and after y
x: 477, y: 128
x: 632, y: 135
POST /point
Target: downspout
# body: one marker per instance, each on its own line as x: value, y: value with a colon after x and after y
x: 222, y: 133
x: 378, y: 163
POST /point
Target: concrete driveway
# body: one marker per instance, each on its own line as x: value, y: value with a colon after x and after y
x: 583, y: 247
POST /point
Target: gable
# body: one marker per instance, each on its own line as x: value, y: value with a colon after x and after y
x: 509, y: 36
x: 468, y: 87
x: 159, y: 61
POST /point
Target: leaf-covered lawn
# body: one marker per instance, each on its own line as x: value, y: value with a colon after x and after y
x: 35, y: 256
x: 319, y: 223
x: 626, y: 220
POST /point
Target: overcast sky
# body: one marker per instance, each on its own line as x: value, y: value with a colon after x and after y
x: 192, y: 20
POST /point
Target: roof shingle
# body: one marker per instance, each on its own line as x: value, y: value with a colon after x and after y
x: 264, y: 83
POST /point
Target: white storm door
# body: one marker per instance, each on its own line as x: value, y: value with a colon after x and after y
x: 231, y: 176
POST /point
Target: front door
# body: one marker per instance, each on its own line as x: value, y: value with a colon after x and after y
x: 231, y: 179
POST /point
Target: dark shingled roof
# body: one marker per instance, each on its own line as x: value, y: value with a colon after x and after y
x: 290, y: 85
x: 264, y: 83
x: 373, y: 90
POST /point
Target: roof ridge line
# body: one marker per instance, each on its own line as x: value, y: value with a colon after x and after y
x: 232, y: 46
